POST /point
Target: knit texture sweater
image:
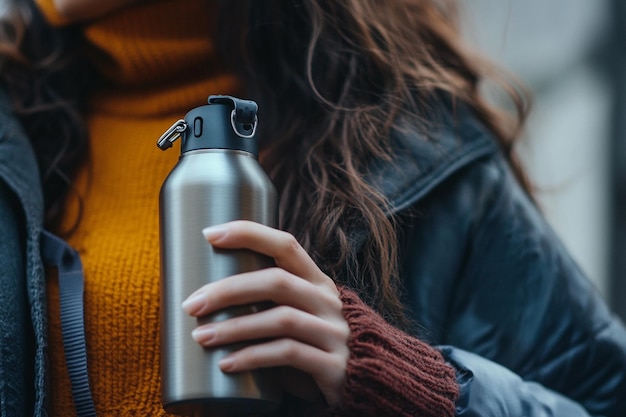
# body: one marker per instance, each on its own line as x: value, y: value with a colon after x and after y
x: 154, y: 69
x: 157, y: 62
x: 391, y: 373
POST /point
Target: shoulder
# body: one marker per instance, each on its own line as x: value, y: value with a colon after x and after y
x: 422, y: 161
x: 484, y: 272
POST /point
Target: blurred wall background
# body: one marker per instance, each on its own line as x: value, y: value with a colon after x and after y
x: 571, y: 54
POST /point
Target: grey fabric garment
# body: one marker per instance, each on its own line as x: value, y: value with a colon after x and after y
x: 22, y: 296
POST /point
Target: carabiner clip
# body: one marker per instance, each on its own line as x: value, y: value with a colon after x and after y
x: 171, y: 134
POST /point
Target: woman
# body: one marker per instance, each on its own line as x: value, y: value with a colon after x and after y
x: 414, y: 274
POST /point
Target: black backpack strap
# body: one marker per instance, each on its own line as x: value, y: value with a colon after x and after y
x: 57, y: 253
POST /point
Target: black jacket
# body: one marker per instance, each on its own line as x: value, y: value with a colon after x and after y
x: 492, y: 285
x: 486, y: 279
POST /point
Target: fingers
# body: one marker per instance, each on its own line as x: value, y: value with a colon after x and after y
x: 275, y: 323
x: 270, y: 284
x: 282, y: 246
x: 306, y: 329
x: 327, y: 369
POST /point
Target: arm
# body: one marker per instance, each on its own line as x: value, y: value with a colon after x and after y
x: 542, y: 340
x: 390, y: 373
x: 360, y: 364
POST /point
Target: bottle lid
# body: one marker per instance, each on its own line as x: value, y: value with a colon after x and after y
x: 225, y: 123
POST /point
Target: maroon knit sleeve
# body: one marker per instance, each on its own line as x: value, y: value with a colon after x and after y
x: 390, y: 373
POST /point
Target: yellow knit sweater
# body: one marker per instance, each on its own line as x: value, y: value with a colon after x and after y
x: 158, y: 62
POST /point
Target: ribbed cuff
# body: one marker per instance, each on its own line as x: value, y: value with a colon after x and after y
x: 390, y: 373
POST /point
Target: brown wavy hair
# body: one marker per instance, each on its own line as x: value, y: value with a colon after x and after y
x: 332, y: 78
x: 41, y: 71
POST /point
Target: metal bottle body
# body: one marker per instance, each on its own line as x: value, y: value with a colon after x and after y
x: 209, y: 187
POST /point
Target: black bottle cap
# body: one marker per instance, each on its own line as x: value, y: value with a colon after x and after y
x: 225, y: 123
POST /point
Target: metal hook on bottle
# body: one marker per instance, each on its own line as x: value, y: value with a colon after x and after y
x: 171, y: 134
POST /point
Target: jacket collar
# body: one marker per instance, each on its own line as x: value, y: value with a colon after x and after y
x: 421, y: 161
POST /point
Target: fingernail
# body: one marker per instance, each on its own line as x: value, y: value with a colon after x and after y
x: 227, y: 364
x: 203, y: 335
x: 214, y: 232
x: 194, y: 303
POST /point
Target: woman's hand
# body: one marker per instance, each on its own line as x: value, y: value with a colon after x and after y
x: 306, y: 329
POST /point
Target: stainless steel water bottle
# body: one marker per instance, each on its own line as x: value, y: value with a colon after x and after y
x: 217, y: 179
